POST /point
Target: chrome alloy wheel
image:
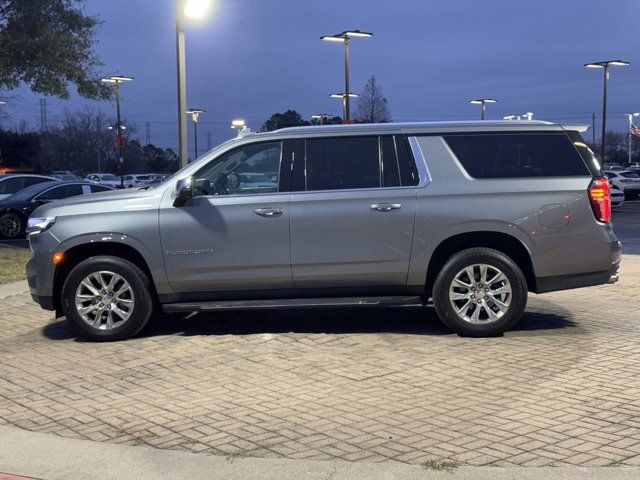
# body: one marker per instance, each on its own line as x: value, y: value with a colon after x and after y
x: 104, y: 300
x: 480, y: 294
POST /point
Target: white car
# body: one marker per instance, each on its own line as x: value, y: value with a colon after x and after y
x: 108, y: 179
x: 137, y: 179
x: 613, y: 167
x: 617, y: 197
x: 626, y: 180
x: 11, y: 183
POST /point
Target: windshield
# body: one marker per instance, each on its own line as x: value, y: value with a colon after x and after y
x: 26, y: 194
x: 630, y: 175
x: 108, y: 176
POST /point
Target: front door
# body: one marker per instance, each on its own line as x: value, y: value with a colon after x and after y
x: 234, y: 235
x: 352, y: 223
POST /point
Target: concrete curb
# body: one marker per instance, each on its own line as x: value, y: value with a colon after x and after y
x: 13, y: 288
x: 50, y: 457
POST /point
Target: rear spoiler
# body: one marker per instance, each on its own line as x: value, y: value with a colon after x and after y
x: 576, y: 127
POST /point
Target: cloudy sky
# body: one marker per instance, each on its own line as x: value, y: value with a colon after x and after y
x: 251, y: 58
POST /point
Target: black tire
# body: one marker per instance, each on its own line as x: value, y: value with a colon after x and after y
x: 141, y: 289
x: 490, y: 328
x: 11, y: 225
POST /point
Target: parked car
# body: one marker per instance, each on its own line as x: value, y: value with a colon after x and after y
x: 65, y: 175
x: 15, y: 209
x: 11, y: 183
x: 626, y: 180
x: 472, y: 215
x: 632, y: 166
x: 136, y: 180
x: 108, y: 179
x: 617, y: 197
x: 612, y: 166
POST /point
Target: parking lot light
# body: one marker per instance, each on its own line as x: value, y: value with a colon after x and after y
x: 196, y: 9
x: 195, y: 113
x: 239, y: 125
x: 345, y: 98
x: 483, y: 102
x: 345, y: 37
x: 320, y: 117
x: 116, y: 80
x: 604, y: 65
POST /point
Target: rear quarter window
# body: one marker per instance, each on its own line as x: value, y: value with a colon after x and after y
x: 517, y: 155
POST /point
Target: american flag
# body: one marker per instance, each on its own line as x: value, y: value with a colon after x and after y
x: 635, y: 130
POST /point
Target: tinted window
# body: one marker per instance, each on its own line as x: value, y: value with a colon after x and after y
x: 250, y: 169
x: 28, y: 181
x: 517, y: 155
x: 589, y: 158
x: 342, y: 163
x: 408, y: 170
x: 99, y: 188
x: 390, y: 168
x: 630, y: 175
x: 11, y: 185
x: 63, y: 191
x: 610, y: 174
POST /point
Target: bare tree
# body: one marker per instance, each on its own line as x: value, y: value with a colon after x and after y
x: 372, y: 105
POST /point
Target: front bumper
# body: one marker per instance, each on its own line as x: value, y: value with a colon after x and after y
x: 41, y: 270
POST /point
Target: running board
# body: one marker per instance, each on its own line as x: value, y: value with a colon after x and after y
x: 295, y: 303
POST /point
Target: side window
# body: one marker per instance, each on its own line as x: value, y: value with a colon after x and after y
x: 99, y: 188
x: 63, y: 191
x: 390, y: 167
x: 342, y: 163
x: 249, y: 169
x: 517, y: 155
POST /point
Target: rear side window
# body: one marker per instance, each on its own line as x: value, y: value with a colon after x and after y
x: 518, y: 155
x: 99, y: 188
x: 342, y: 163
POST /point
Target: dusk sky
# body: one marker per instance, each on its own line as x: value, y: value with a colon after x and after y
x: 250, y: 59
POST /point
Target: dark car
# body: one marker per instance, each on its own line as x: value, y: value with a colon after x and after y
x: 15, y: 209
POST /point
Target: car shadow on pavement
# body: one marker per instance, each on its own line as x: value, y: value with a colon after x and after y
x: 408, y: 320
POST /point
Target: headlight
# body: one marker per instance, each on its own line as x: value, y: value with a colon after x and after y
x: 39, y: 224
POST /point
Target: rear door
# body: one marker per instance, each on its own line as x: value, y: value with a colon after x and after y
x: 352, y: 215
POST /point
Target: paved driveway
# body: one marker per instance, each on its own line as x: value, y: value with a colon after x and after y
x: 361, y: 385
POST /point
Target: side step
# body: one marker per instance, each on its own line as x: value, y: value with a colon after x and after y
x: 295, y: 303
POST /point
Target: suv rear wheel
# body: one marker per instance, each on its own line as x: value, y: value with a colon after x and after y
x: 480, y: 292
x: 107, y: 298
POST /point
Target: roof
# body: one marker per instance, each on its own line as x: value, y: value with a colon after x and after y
x: 414, y: 127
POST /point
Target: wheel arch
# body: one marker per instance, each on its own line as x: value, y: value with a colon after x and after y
x: 503, y: 242
x: 81, y: 252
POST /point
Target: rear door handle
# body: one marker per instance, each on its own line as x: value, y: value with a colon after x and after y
x: 269, y: 211
x: 385, y: 207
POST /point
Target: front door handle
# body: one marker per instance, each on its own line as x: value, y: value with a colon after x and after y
x: 385, y: 207
x: 269, y: 211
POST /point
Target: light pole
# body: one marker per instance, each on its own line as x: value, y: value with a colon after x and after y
x: 195, y: 113
x: 345, y: 37
x: 512, y: 116
x: 605, y: 69
x: 185, y: 10
x: 483, y: 102
x: 117, y: 80
x: 320, y: 117
x: 630, y: 117
x: 345, y: 103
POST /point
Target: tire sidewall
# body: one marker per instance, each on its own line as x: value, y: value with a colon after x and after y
x: 132, y: 274
x: 475, y: 256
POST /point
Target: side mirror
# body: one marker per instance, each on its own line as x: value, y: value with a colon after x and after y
x: 184, y: 189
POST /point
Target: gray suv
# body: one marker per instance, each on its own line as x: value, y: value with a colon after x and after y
x: 469, y: 215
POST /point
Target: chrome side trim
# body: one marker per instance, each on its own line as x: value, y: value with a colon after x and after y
x: 421, y: 163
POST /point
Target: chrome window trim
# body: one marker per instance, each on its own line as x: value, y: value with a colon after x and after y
x: 421, y: 163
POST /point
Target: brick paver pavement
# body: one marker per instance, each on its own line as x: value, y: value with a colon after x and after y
x: 563, y: 388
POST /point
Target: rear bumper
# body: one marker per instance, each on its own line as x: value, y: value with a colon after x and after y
x: 566, y: 282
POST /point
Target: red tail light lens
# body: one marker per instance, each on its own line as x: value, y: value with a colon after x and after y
x: 600, y: 196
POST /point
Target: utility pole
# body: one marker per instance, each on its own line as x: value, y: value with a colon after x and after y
x: 43, y: 114
x: 98, y: 134
x: 147, y: 128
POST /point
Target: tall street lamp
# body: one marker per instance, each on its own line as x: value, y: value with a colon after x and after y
x: 185, y: 10
x: 320, y: 117
x: 345, y: 37
x: 195, y: 113
x: 116, y: 80
x: 483, y: 102
x: 630, y: 117
x: 345, y: 103
x: 239, y: 125
x: 605, y: 69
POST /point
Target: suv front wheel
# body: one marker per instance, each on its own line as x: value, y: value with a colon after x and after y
x: 107, y: 298
x: 480, y: 292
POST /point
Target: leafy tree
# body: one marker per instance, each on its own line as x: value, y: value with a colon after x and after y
x: 47, y: 45
x: 290, y: 118
x: 327, y: 121
x: 372, y: 105
x: 18, y: 149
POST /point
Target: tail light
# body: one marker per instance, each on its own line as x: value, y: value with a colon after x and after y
x: 600, y: 196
